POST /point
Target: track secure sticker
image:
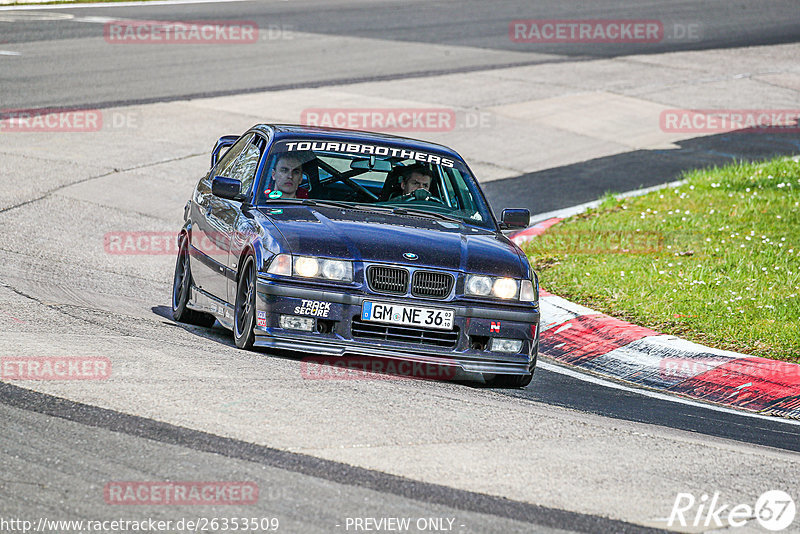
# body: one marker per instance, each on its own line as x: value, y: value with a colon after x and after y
x: 315, y: 308
x: 261, y: 319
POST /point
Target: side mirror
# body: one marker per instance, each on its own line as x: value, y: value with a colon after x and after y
x: 515, y: 218
x: 229, y: 188
x: 223, y: 143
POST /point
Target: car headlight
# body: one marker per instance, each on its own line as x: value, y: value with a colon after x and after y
x: 485, y: 286
x: 306, y: 266
x: 337, y: 270
x: 311, y: 267
x: 478, y: 285
x: 505, y: 288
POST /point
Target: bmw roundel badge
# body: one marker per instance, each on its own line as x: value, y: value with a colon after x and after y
x: 410, y: 256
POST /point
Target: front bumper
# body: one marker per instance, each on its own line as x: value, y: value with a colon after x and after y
x: 336, y: 312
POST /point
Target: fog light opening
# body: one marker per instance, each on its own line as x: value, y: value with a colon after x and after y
x: 500, y: 344
x: 324, y: 326
x: 478, y: 342
x: 294, y: 322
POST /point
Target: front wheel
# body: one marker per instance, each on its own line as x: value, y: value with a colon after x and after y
x: 181, y: 288
x: 509, y: 381
x: 244, y: 316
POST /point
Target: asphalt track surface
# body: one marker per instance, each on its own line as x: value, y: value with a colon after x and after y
x: 86, y: 73
x: 70, y: 64
x: 49, y: 442
x: 297, y: 486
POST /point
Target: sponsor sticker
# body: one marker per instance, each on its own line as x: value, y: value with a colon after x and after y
x: 261, y: 319
x: 371, y: 150
x: 314, y: 308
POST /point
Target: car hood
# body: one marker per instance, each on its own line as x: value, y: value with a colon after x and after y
x: 385, y: 237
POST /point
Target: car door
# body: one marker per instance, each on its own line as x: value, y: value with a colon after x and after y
x: 237, y: 226
x: 208, y: 237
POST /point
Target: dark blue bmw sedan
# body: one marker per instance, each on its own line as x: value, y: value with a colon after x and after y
x: 343, y: 243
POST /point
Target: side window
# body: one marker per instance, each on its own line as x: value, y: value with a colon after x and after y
x: 448, y: 191
x: 461, y: 192
x: 243, y: 168
x: 233, y: 152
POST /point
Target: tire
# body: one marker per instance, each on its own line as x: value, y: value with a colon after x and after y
x: 514, y: 381
x: 509, y: 381
x: 181, y: 288
x: 244, y: 314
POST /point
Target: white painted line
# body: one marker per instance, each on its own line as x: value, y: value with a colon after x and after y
x: 9, y: 53
x: 656, y: 395
x: 115, y: 4
x: 99, y: 20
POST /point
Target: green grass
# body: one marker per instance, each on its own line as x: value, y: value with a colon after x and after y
x: 716, y: 261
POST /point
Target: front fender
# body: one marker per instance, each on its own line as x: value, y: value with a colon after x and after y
x: 262, y: 246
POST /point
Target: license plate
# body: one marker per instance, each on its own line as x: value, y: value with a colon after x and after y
x: 391, y: 313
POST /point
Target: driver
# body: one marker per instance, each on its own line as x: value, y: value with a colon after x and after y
x: 287, y: 175
x: 416, y: 177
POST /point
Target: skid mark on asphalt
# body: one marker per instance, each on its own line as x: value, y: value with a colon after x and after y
x: 317, y: 467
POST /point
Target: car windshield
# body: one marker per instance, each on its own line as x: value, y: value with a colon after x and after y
x: 373, y: 176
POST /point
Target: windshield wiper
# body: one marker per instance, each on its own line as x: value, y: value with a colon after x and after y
x: 331, y: 203
x: 304, y: 201
x: 350, y: 205
x: 369, y: 207
x: 423, y: 213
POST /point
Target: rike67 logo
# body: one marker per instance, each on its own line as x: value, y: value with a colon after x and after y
x: 774, y: 510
